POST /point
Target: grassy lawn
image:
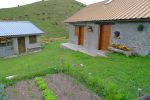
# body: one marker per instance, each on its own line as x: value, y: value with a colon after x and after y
x: 128, y: 73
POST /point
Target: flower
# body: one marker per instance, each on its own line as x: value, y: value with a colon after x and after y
x: 81, y: 65
x: 11, y: 77
x: 74, y: 65
x: 89, y: 73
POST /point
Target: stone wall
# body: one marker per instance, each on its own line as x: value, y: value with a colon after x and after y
x: 90, y: 38
x: 138, y: 41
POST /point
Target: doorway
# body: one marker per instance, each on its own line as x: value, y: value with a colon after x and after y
x: 21, y: 45
x: 104, y: 37
x: 80, y: 33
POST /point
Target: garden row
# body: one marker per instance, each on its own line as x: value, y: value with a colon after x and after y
x: 107, y: 90
x: 46, y: 93
x: 50, y: 87
x: 28, y: 90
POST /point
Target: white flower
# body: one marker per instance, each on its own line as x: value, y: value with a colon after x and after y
x: 89, y: 73
x: 11, y: 77
x: 81, y: 65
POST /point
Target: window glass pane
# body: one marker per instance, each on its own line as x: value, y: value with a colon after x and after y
x: 32, y: 39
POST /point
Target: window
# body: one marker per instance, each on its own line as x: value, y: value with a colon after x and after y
x: 5, y: 42
x: 32, y: 39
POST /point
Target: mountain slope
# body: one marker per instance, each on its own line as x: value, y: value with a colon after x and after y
x: 47, y: 15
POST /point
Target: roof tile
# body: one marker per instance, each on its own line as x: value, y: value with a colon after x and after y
x: 117, y: 9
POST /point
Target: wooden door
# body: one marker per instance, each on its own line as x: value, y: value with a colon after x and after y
x: 104, y: 37
x: 21, y: 45
x: 81, y: 35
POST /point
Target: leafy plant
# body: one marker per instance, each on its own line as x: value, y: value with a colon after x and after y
x: 38, y: 79
x: 2, y: 93
x: 140, y: 27
x: 42, y: 87
x: 46, y: 93
x: 109, y: 91
x: 40, y: 83
x: 117, y: 34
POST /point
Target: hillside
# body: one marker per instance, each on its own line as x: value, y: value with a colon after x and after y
x: 48, y: 15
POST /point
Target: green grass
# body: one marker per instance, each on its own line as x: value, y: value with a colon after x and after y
x: 129, y: 73
x: 48, y: 15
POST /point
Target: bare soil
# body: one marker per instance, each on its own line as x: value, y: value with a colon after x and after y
x: 64, y: 87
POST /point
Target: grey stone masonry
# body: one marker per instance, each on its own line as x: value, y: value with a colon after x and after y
x: 138, y: 41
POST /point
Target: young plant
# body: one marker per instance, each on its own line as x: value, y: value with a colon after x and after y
x: 2, y: 93
x: 46, y: 93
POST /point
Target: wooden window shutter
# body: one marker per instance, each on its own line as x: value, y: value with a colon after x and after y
x: 77, y: 29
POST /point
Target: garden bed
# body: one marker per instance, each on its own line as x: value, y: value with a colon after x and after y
x: 127, y: 53
x: 64, y: 87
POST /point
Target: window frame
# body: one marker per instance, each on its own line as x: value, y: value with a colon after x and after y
x: 4, y: 41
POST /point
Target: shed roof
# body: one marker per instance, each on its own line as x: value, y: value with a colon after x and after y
x: 114, y: 10
x: 17, y: 28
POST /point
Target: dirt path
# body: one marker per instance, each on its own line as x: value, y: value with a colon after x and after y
x: 65, y: 88
x: 35, y: 91
x: 10, y: 93
x: 23, y: 92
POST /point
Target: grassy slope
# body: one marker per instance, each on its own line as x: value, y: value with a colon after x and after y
x: 128, y: 73
x: 48, y: 15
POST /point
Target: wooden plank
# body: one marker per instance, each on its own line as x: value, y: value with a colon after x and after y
x: 81, y: 36
x: 77, y: 30
x: 104, y: 37
x: 21, y: 45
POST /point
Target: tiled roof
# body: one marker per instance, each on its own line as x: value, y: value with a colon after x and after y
x: 17, y: 28
x: 115, y: 10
